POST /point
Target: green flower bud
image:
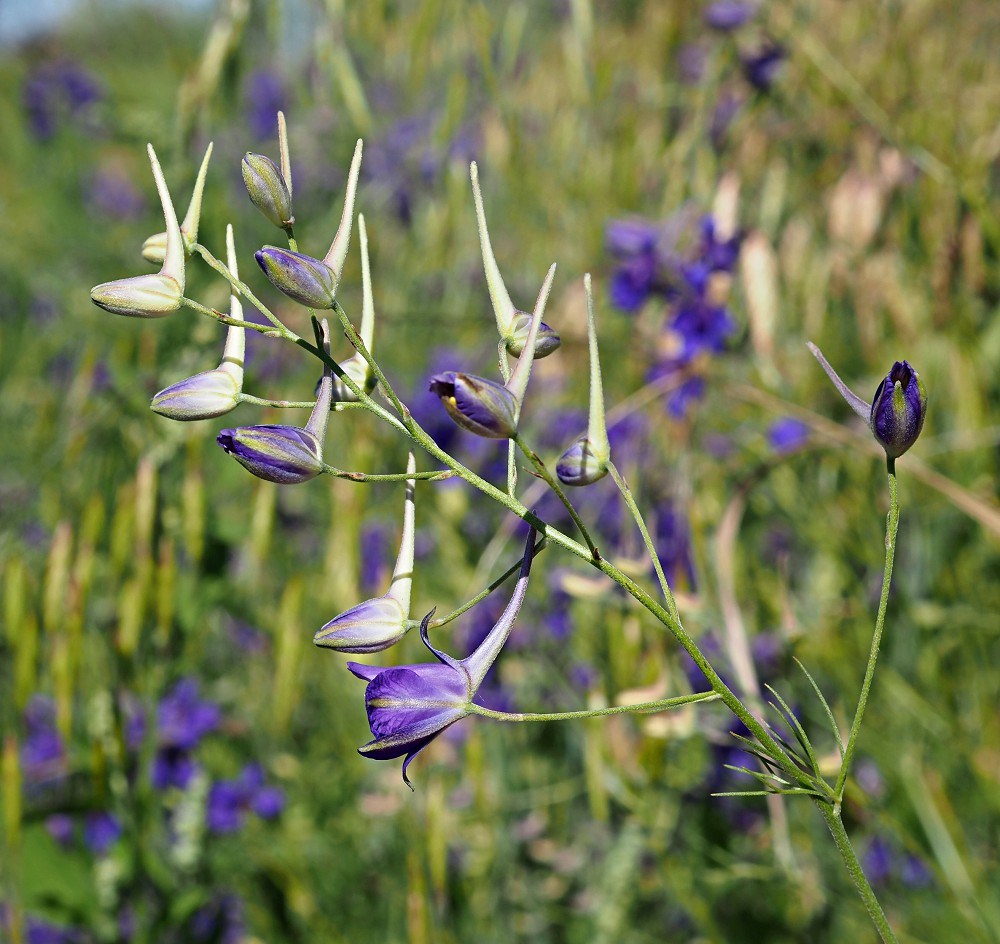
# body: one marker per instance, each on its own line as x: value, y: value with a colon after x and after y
x: 142, y: 296
x: 267, y: 189
x: 547, y: 339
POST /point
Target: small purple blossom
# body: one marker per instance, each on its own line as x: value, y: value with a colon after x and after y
x: 43, y: 756
x: 58, y: 91
x: 183, y: 719
x: 725, y: 16
x: 787, y: 434
x: 112, y: 195
x: 230, y: 800
x: 61, y: 828
x: 264, y: 97
x: 101, y: 831
x: 762, y: 66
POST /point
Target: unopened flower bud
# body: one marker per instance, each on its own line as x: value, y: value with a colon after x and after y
x: 142, y: 296
x: 898, y: 410
x: 283, y: 454
x: 476, y: 404
x: 368, y: 627
x: 201, y: 397
x: 309, y: 281
x: 581, y: 464
x: 268, y: 190
x: 357, y: 369
x: 546, y: 341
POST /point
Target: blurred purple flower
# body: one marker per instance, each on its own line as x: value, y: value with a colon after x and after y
x: 61, y: 828
x: 878, y: 861
x: 264, y: 96
x: 915, y: 872
x: 691, y: 63
x: 787, y: 434
x: 112, y: 195
x: 672, y: 536
x: 183, y: 718
x: 221, y: 921
x: 727, y: 106
x: 728, y: 15
x: 43, y: 756
x: 57, y: 91
x: 762, y: 66
x: 230, y: 800
x: 101, y: 831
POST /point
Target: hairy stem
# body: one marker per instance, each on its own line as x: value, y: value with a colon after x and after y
x: 892, y: 525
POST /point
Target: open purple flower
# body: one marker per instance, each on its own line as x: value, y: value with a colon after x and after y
x: 409, y: 705
x: 230, y: 800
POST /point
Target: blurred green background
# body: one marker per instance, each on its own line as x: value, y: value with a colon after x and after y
x: 861, y: 174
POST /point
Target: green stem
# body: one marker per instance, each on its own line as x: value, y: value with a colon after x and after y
x: 469, y: 604
x: 436, y: 476
x: 653, y: 556
x: 647, y: 707
x: 226, y: 319
x: 279, y: 404
x: 420, y: 436
x: 243, y: 289
x: 553, y: 483
x: 836, y: 825
x: 892, y: 525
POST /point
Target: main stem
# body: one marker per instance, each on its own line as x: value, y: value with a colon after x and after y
x: 832, y: 816
x: 892, y: 525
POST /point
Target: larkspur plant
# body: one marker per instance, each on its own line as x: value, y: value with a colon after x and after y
x: 410, y: 705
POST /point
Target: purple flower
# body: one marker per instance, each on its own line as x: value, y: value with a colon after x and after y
x: 114, y: 196
x: 878, y: 861
x: 728, y: 15
x: 265, y: 96
x: 409, y: 705
x: 762, y: 66
x: 230, y: 800
x: 172, y: 767
x: 101, y: 831
x: 898, y: 409
x: 57, y: 91
x: 673, y: 543
x: 787, y: 434
x: 60, y: 827
x: 183, y: 718
x: 221, y: 921
x: 43, y: 756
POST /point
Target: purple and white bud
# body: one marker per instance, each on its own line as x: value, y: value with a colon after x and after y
x: 477, y: 404
x: 310, y: 282
x: 283, y: 454
x: 547, y: 339
x: 201, y: 397
x: 898, y: 409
